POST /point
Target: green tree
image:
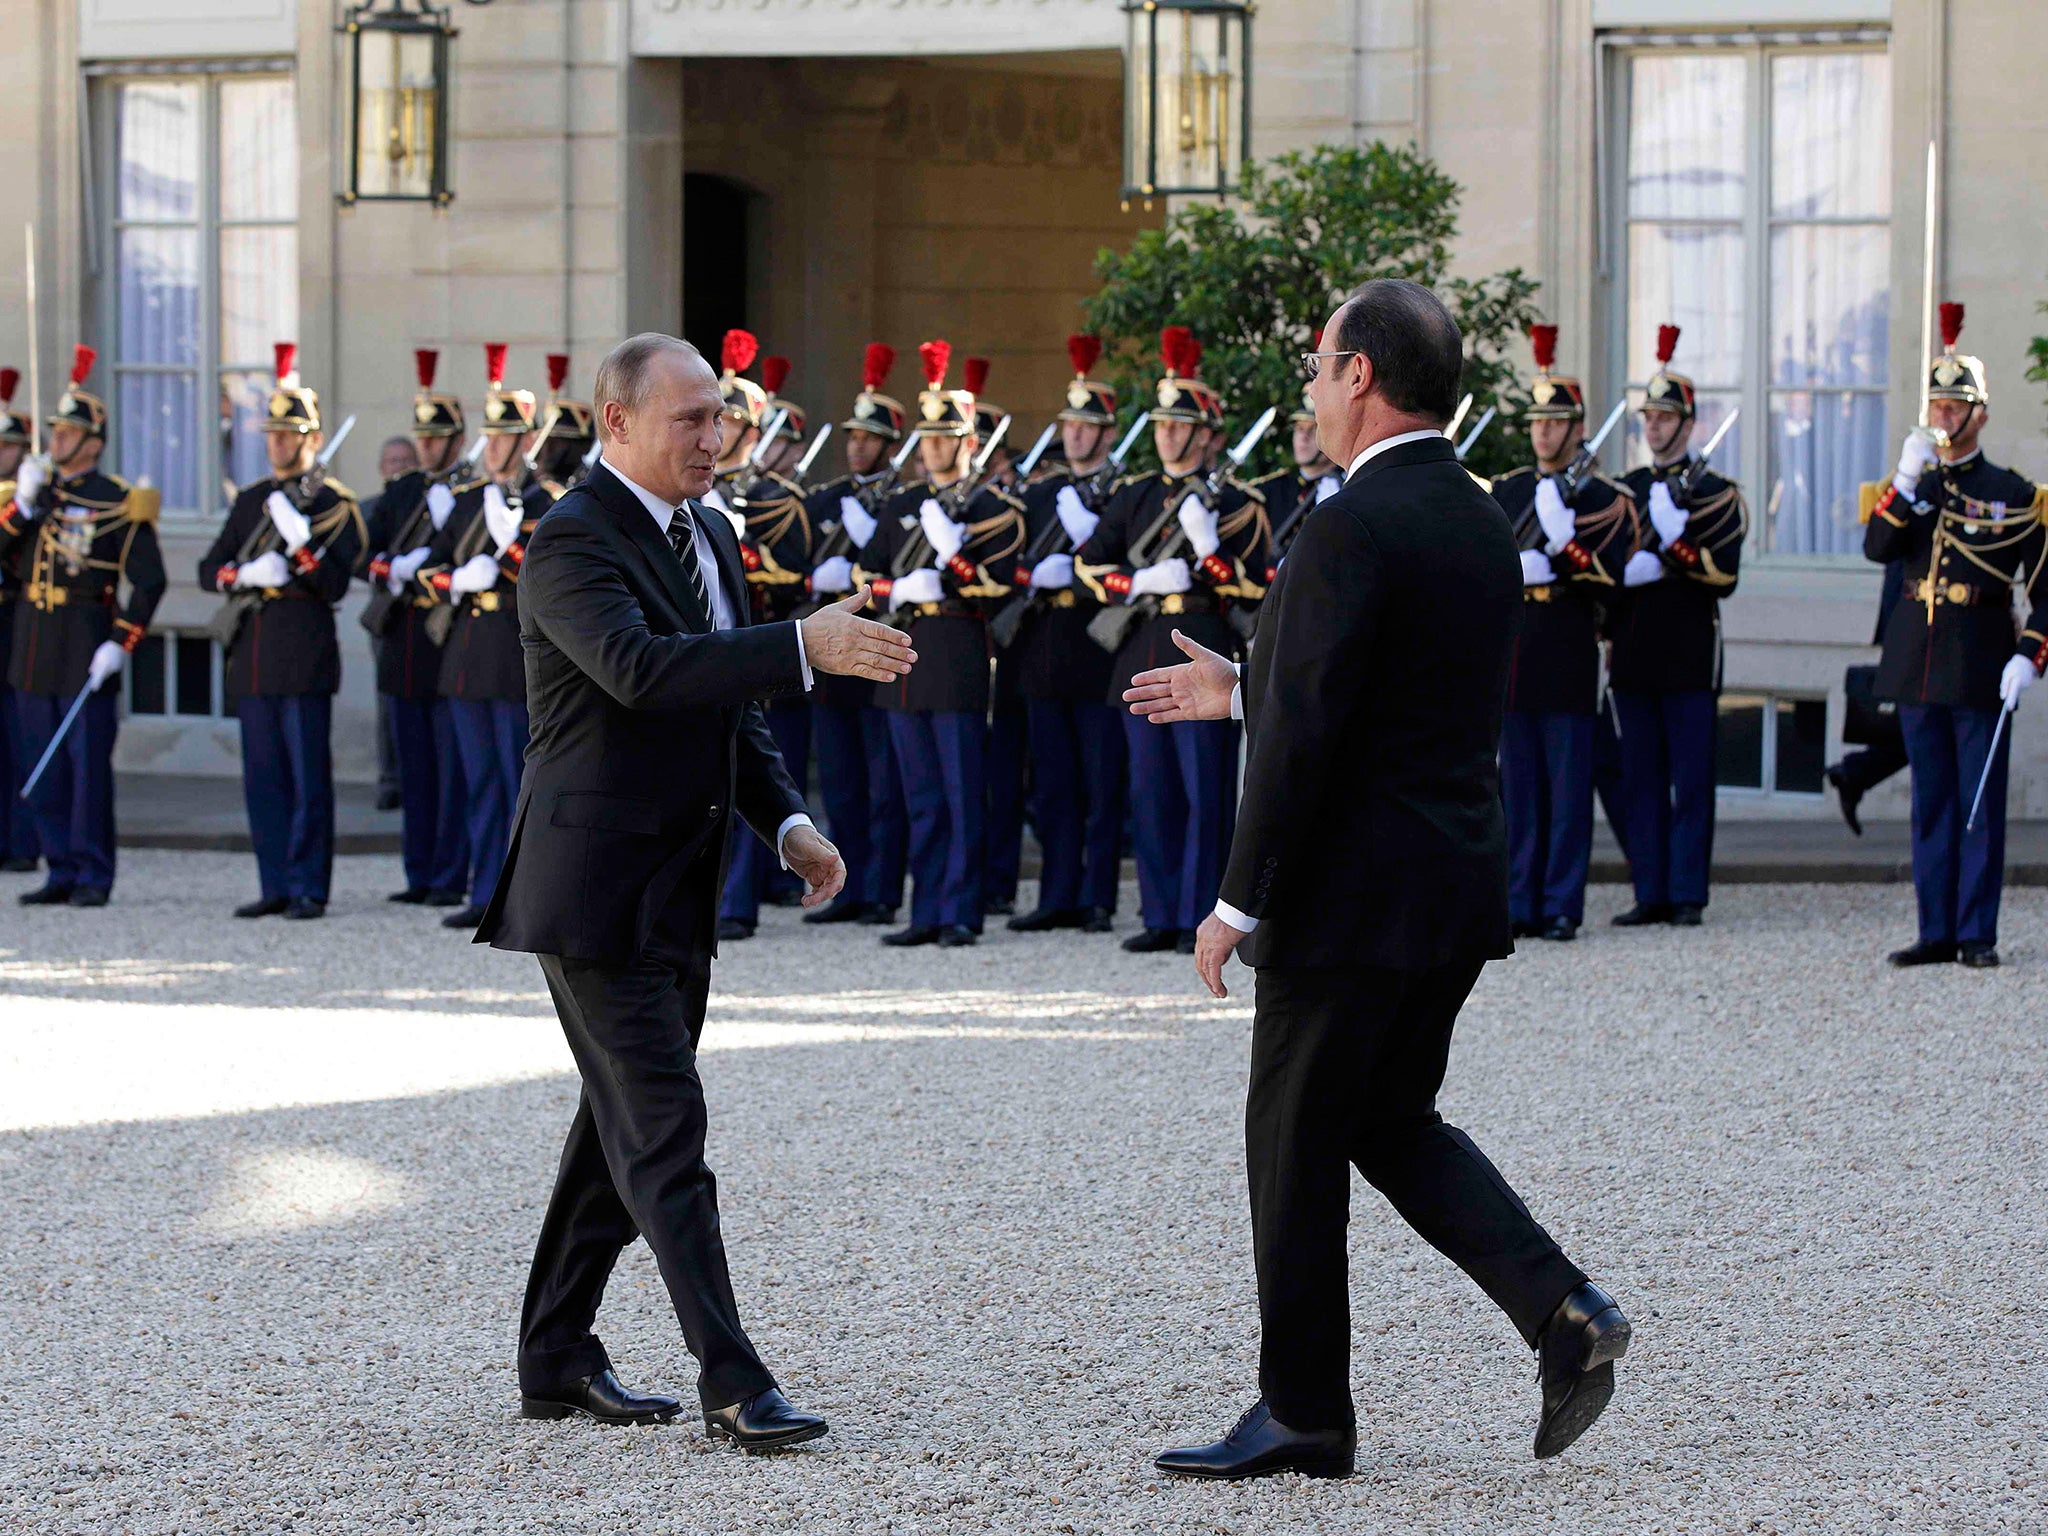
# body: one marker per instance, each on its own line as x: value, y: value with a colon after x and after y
x: 1255, y: 279
x: 2037, y: 350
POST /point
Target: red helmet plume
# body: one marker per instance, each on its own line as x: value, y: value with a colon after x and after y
x: 1667, y: 342
x: 774, y: 373
x: 1951, y: 323
x: 1083, y: 351
x: 935, y: 355
x: 974, y: 374
x: 1543, y: 342
x: 287, y: 353
x: 10, y: 380
x: 737, y: 352
x: 83, y: 357
x: 425, y: 360
x: 875, y: 364
x: 494, y: 363
x: 558, y: 370
x: 1175, y: 342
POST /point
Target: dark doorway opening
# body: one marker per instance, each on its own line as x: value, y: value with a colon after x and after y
x: 717, y: 236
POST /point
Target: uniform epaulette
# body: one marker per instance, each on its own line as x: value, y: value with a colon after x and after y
x: 2041, y: 502
x: 1518, y: 470
x: 1272, y: 475
x: 468, y: 485
x: 1481, y: 481
x: 340, y: 490
x: 554, y: 488
x: 1118, y: 485
x: 139, y: 503
x: 1612, y: 484
x: 1250, y: 488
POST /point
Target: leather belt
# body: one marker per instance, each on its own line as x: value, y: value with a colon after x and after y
x: 1956, y: 594
x: 49, y: 597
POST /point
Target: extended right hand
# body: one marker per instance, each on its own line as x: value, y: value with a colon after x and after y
x: 1199, y: 689
x: 29, y: 480
x: 838, y: 641
x: 1916, y: 457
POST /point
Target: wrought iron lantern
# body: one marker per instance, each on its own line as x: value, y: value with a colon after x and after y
x: 398, y: 103
x: 1187, y: 97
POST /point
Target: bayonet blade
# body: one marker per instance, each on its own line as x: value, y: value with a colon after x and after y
x: 803, y: 465
x: 1458, y: 417
x: 1485, y: 420
x: 1250, y: 440
x: 903, y: 454
x: 1122, y: 450
x: 334, y: 443
x: 1592, y: 449
x: 768, y: 435
x: 988, y: 449
x: 1037, y: 451
x: 1720, y: 432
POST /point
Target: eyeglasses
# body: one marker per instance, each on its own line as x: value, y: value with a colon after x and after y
x: 1311, y: 363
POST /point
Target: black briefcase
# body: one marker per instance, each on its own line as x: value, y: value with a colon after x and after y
x: 1869, y: 720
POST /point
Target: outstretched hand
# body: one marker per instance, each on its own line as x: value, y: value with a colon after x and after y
x: 837, y: 640
x: 816, y: 861
x: 1199, y: 689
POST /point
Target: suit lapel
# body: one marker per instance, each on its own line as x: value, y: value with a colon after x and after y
x: 660, y: 557
x: 726, y: 546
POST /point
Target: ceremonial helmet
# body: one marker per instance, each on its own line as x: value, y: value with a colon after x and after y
x: 1552, y: 396
x: 293, y: 407
x: 774, y: 374
x: 874, y: 411
x: 1953, y: 375
x: 77, y: 406
x: 745, y: 401
x: 574, y: 419
x: 941, y: 412
x: 433, y: 415
x: 507, y: 412
x: 974, y: 374
x: 1668, y: 391
x: 1182, y: 396
x: 1088, y: 400
x: 14, y: 427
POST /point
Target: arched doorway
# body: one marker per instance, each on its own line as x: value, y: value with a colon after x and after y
x: 718, y: 235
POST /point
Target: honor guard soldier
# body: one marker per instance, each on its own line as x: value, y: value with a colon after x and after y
x: 283, y: 559
x: 433, y: 806
x: 1174, y: 554
x: 1969, y: 533
x: 19, y: 848
x: 472, y: 571
x: 1291, y: 494
x: 746, y: 412
x: 788, y: 447
x: 1576, y: 529
x: 82, y: 534
x: 1003, y: 817
x: 943, y: 555
x: 1076, y: 740
x: 1664, y: 669
x: 857, y: 778
x: 571, y: 435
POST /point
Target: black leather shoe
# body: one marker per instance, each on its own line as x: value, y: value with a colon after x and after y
x: 18, y: 866
x: 1521, y: 928
x: 1098, y: 920
x: 1977, y: 955
x: 267, y: 906
x: 731, y: 929
x: 468, y: 917
x: 1685, y: 915
x: 767, y: 1421
x: 1927, y: 952
x: 51, y: 895
x: 304, y: 908
x: 1575, y: 1363
x: 784, y: 897
x: 958, y: 936
x: 1000, y: 906
x: 89, y: 896
x: 443, y: 899
x: 912, y: 937
x: 878, y: 916
x: 841, y: 911
x: 1152, y: 941
x: 1185, y: 944
x: 1560, y: 930
x: 602, y: 1398
x: 1849, y: 796
x: 1261, y: 1446
x: 1640, y: 916
x: 411, y: 896
x: 1043, y: 921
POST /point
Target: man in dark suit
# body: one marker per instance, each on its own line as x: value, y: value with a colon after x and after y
x: 1367, y: 882
x: 643, y: 678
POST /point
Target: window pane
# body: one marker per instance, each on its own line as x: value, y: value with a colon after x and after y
x: 146, y: 677
x: 154, y: 424
x: 259, y: 150
x: 259, y: 293
x: 1687, y: 136
x: 1691, y: 277
x: 1802, y: 745
x: 1830, y: 301
x: 159, y: 296
x: 1712, y: 409
x: 1822, y: 446
x: 1739, y: 741
x: 195, y: 674
x: 158, y: 137
x: 1831, y: 136
x: 244, y: 403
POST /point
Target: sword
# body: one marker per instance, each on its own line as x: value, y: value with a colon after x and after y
x: 803, y: 464
x: 768, y: 435
x: 1037, y: 452
x: 1588, y: 456
x: 35, y: 371
x: 1458, y: 417
x: 539, y: 442
x: 1249, y: 441
x: 57, y: 740
x: 1938, y: 437
x: 1990, y: 762
x: 1485, y: 420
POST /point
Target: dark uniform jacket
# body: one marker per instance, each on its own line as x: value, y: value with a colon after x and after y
x: 1052, y: 657
x: 1951, y: 632
x: 1289, y: 496
x: 831, y: 538
x: 1557, y: 649
x: 776, y: 547
x: 10, y: 593
x: 1234, y: 576
x: 286, y: 644
x: 408, y: 660
x: 482, y: 659
x: 1667, y: 634
x: 83, y: 539
x: 950, y: 636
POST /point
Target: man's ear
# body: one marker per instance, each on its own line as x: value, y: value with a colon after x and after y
x: 1363, y: 378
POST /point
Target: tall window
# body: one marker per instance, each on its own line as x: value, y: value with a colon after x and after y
x: 201, y: 269
x: 1757, y: 199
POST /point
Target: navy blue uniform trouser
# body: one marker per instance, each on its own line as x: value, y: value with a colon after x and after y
x: 1077, y: 802
x: 1183, y: 811
x: 939, y: 753
x: 754, y: 864
x: 1958, y: 876
x: 18, y: 838
x: 490, y: 737
x: 1546, y: 781
x: 1667, y: 757
x: 1607, y: 779
x: 288, y: 786
x: 1005, y: 824
x: 433, y: 833
x: 863, y: 800
x: 74, y: 803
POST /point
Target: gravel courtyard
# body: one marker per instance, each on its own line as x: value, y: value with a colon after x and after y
x: 270, y: 1191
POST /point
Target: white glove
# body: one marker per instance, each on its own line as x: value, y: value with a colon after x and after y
x: 1328, y: 486
x: 106, y: 661
x: 1558, y: 523
x: 1053, y: 572
x: 834, y: 575
x: 859, y: 521
x: 440, y: 502
x: 946, y: 536
x: 2018, y: 677
x: 266, y: 570
x: 1643, y: 568
x: 476, y: 574
x: 404, y: 568
x: 1536, y: 570
x: 1199, y: 524
x: 1162, y: 580
x: 291, y: 524
x: 500, y: 518
x: 920, y: 586
x: 1665, y: 515
x: 29, y: 480
x: 1916, y: 457
x: 1074, y: 516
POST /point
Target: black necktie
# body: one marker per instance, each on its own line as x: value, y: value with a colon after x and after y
x: 682, y: 537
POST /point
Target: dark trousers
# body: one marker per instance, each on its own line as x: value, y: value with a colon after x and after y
x: 433, y: 827
x: 1667, y: 753
x: 1607, y: 785
x: 1003, y: 851
x: 73, y: 804
x: 1546, y: 782
x: 1958, y: 876
x: 1183, y: 810
x: 18, y: 838
x: 939, y: 754
x: 634, y: 1166
x: 1346, y: 1065
x: 755, y: 865
x: 288, y: 786
x: 1863, y: 770
x: 863, y: 800
x: 1077, y: 802
x: 490, y: 739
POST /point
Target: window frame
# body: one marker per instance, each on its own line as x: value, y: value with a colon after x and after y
x: 1767, y: 787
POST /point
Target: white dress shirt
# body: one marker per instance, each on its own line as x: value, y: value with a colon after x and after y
x: 722, y: 616
x: 1224, y: 909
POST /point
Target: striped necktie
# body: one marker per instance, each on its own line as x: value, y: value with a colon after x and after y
x: 682, y: 538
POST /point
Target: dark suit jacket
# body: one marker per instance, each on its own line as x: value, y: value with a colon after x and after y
x: 645, y: 735
x: 1371, y: 833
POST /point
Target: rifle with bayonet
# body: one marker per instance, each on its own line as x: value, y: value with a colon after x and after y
x: 234, y: 611
x: 1485, y: 420
x: 1010, y: 617
x: 379, y: 612
x: 1686, y: 484
x: 1572, y: 478
x: 953, y: 499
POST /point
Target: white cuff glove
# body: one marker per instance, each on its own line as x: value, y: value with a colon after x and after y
x: 1643, y: 568
x: 920, y: 586
x: 500, y: 517
x: 1199, y: 524
x: 29, y: 480
x: 2018, y: 677
x: 440, y: 502
x: 266, y: 570
x: 1665, y: 516
x: 1074, y: 516
x: 1916, y: 457
x: 107, y: 660
x: 1328, y: 486
x: 1536, y: 570
x: 404, y: 568
x: 291, y: 524
x: 1558, y: 523
x: 1162, y: 580
x: 946, y: 536
x: 476, y: 574
x: 1052, y: 573
x: 834, y: 575
x: 859, y: 521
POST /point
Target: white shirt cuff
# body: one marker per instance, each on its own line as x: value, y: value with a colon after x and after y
x: 782, y: 834
x: 803, y: 660
x: 1235, y: 918
x: 1237, y: 701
